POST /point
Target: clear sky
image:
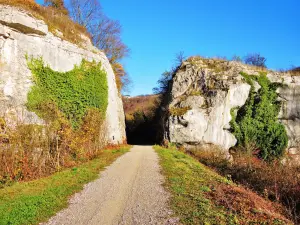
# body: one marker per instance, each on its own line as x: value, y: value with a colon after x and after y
x: 155, y: 30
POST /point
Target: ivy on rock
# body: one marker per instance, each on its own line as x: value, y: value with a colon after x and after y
x: 256, y: 123
x: 73, y: 92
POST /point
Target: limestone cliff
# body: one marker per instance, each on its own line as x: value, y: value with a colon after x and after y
x: 21, y: 34
x: 204, y: 91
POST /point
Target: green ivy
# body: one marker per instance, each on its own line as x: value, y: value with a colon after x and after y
x: 256, y: 122
x: 74, y: 92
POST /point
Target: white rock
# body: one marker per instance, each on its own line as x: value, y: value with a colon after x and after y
x: 207, y: 121
x: 199, y: 126
x: 15, y: 16
x: 15, y: 77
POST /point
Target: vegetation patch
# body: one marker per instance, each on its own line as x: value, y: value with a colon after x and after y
x: 37, y: 201
x: 195, y: 93
x: 175, y: 111
x: 201, y: 196
x: 74, y: 92
x: 73, y: 106
x: 256, y: 126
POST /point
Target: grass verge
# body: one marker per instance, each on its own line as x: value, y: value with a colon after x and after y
x: 201, y: 196
x: 36, y: 201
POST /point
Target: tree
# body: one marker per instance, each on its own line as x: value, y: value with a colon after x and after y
x: 166, y: 77
x: 163, y: 83
x: 58, y: 5
x: 255, y: 59
x: 105, y: 34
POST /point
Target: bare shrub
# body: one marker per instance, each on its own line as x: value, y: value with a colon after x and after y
x: 255, y: 59
x: 30, y: 151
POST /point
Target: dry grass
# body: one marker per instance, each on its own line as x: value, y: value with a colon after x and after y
x: 29, y: 151
x: 218, y: 64
x: 274, y: 181
x: 54, y: 19
x: 245, y: 202
x: 201, y: 196
x: 175, y: 111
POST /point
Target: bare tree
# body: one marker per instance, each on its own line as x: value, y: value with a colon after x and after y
x: 179, y: 58
x: 166, y: 77
x: 105, y: 34
x: 255, y: 59
x: 85, y: 12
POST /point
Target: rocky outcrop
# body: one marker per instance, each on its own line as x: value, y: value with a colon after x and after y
x: 21, y: 34
x: 204, y: 92
x: 289, y: 115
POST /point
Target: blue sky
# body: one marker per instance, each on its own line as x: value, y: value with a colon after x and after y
x: 158, y: 29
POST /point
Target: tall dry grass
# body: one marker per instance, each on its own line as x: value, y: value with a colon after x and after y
x: 55, y: 19
x: 30, y: 151
x: 275, y: 181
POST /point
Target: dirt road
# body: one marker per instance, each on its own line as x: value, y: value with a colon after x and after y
x: 128, y: 192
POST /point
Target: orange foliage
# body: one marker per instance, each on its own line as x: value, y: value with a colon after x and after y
x: 247, y: 203
x: 146, y: 104
x: 274, y: 181
x: 33, y: 151
x: 119, y: 72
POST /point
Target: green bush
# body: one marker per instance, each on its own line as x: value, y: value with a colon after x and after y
x: 74, y: 92
x: 256, y: 124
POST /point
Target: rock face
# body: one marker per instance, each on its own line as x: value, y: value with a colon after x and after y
x: 206, y: 91
x: 21, y: 34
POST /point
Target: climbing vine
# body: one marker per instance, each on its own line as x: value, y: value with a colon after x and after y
x: 256, y: 122
x: 73, y: 92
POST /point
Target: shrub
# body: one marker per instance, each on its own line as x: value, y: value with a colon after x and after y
x: 255, y: 59
x: 32, y: 151
x: 256, y: 122
x: 74, y: 92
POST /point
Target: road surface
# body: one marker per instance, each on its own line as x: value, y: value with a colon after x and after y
x: 129, y: 192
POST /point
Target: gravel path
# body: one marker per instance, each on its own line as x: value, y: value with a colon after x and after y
x: 128, y: 192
